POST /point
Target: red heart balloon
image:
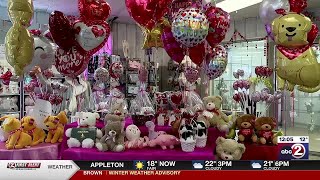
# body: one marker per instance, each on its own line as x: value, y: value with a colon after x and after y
x: 197, y: 53
x: 61, y: 30
x: 91, y: 10
x: 91, y: 35
x: 147, y: 13
x: 219, y: 24
x: 312, y: 35
x: 71, y: 63
x: 171, y: 46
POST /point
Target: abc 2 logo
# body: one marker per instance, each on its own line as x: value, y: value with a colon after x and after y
x: 294, y: 151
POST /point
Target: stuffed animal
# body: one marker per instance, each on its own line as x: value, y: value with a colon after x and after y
x: 164, y: 141
x: 133, y: 138
x: 55, y: 125
x: 151, y: 129
x: 296, y: 60
x: 87, y: 122
x: 228, y: 149
x: 147, y: 111
x: 3, y: 135
x: 214, y: 115
x: 264, y: 127
x: 113, y: 138
x: 201, y: 127
x: 88, y: 119
x: 9, y: 104
x: 245, y: 125
x: 17, y: 138
x: 28, y: 125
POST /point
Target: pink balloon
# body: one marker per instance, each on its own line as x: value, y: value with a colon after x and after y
x: 172, y: 47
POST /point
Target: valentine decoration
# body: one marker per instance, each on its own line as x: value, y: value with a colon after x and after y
x: 91, y: 35
x: 171, y: 46
x: 101, y: 75
x: 116, y: 70
x: 296, y: 60
x: 147, y: 13
x: 197, y: 53
x: 216, y: 62
x: 152, y: 38
x: 19, y: 44
x: 43, y: 53
x: 61, y: 30
x: 92, y: 10
x: 219, y: 23
x: 190, y: 26
x: 71, y: 63
x: 192, y: 74
x: 175, y: 99
x: 176, y: 5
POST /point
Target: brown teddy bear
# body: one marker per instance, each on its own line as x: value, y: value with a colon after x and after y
x: 214, y: 115
x: 113, y: 138
x: 245, y: 124
x: 228, y: 149
x: 264, y: 127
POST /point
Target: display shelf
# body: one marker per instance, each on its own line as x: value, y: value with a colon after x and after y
x: 5, y: 95
x: 147, y: 153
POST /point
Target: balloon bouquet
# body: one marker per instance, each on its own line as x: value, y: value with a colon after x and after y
x: 294, y: 34
x: 77, y: 41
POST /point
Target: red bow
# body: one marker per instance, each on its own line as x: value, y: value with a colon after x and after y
x: 215, y: 110
x: 35, y: 32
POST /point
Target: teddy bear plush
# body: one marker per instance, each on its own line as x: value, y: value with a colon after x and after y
x: 214, y: 115
x: 55, y: 125
x: 87, y: 122
x: 245, y: 125
x: 17, y: 138
x: 113, y: 138
x: 264, y: 127
x: 228, y: 149
x: 28, y: 125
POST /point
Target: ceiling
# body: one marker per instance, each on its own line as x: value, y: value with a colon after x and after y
x: 118, y: 8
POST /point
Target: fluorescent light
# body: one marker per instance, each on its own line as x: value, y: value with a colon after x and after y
x: 235, y: 5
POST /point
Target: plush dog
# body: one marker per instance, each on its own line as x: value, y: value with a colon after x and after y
x: 17, y: 138
x: 29, y: 126
x: 55, y: 124
x: 296, y: 60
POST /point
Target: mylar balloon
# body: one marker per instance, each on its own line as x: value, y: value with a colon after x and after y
x: 21, y: 11
x: 71, y: 63
x: 171, y: 46
x: 268, y: 10
x: 92, y: 10
x: 61, y: 30
x: 192, y: 74
x: 153, y: 38
x: 219, y: 24
x: 297, y: 5
x: 296, y: 60
x: 313, y: 34
x: 147, y: 13
x: 216, y: 62
x: 190, y: 26
x: 91, y: 35
x: 176, y: 5
x: 197, y: 53
x: 43, y: 52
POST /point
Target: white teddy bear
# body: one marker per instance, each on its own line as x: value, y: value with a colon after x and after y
x: 86, y: 120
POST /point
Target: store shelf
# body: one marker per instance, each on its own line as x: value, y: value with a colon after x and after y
x: 5, y: 95
x: 9, y: 112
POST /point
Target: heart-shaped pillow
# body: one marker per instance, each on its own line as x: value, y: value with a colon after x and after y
x: 92, y: 35
x: 175, y: 98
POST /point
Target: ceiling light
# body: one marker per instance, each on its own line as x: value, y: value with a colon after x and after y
x: 235, y: 5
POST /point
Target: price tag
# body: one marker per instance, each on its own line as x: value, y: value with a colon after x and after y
x: 293, y: 147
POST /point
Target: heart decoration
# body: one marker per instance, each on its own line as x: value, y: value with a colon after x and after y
x: 71, y: 63
x: 92, y: 10
x: 91, y: 35
x: 175, y: 98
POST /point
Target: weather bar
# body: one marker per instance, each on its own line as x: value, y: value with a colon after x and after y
x: 145, y: 165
